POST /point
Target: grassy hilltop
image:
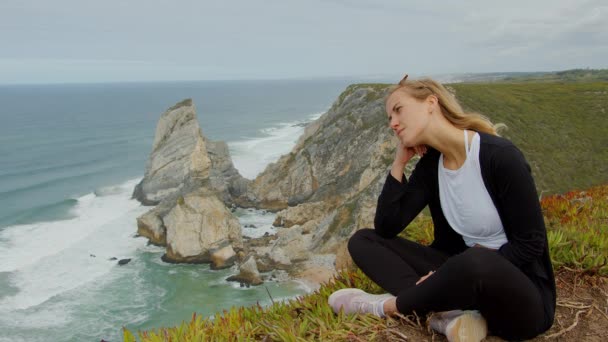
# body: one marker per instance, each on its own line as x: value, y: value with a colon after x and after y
x: 559, y: 121
x: 561, y: 127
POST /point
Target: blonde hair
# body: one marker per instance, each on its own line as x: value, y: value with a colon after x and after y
x: 450, y: 108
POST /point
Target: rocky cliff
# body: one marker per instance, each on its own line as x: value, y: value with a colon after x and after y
x: 324, y: 189
x: 338, y: 156
x: 327, y: 187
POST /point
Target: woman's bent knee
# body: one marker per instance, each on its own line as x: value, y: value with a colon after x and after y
x: 475, y: 262
x: 359, y: 240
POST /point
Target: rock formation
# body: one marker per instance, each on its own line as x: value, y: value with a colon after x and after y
x: 248, y: 273
x: 179, y: 162
x: 328, y: 185
x: 222, y: 257
x: 190, y: 186
x: 198, y: 223
x: 224, y: 178
x: 337, y: 157
x: 324, y: 189
x: 151, y: 225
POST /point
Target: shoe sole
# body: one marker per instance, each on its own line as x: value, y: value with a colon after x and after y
x: 468, y: 328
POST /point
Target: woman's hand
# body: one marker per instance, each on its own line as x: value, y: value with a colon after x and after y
x: 423, y: 278
x: 480, y: 246
x: 403, y: 156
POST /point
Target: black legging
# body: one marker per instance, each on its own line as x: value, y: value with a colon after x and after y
x: 476, y: 279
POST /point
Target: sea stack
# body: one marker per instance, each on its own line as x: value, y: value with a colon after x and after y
x: 190, y: 218
x: 179, y: 162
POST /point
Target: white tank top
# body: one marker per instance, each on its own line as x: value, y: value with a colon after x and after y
x: 466, y: 203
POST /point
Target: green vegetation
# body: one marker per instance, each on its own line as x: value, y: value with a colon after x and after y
x: 574, y: 75
x: 302, y: 319
x: 577, y: 225
x: 561, y: 127
x: 376, y: 93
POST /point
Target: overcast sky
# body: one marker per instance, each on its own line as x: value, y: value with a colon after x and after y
x: 48, y: 41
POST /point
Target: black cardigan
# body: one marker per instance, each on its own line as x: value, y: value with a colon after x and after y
x: 508, y: 179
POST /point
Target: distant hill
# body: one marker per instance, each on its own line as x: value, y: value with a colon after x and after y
x: 574, y: 75
x: 562, y: 127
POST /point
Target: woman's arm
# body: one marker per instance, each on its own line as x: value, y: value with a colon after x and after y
x: 520, y: 208
x: 400, y: 202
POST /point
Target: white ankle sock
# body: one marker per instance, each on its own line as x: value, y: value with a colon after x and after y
x: 379, y: 307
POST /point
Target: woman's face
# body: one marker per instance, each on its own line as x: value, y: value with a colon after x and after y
x: 408, y: 117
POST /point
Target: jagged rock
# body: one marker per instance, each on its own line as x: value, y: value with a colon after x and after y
x: 279, y: 275
x: 317, y: 269
x: 269, y: 259
x: 328, y: 185
x: 294, y: 245
x: 278, y: 257
x: 123, y: 262
x: 300, y: 214
x: 179, y: 162
x: 350, y: 140
x: 151, y: 225
x: 223, y: 177
x: 248, y: 273
x: 222, y: 257
x: 289, y: 246
x: 199, y: 222
x: 343, y: 258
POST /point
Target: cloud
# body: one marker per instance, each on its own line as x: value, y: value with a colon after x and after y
x: 294, y: 38
x: 571, y: 25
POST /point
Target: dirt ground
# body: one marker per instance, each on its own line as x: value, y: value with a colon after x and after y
x: 581, y: 315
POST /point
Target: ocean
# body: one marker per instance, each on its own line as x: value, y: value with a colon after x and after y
x: 70, y: 156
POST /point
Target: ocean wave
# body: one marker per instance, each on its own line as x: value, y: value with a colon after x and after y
x: 20, y: 172
x: 54, y: 181
x: 48, y: 212
x: 256, y: 223
x: 48, y: 258
x: 251, y: 156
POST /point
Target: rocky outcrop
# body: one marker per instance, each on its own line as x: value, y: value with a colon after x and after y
x: 222, y: 257
x: 151, y: 225
x: 325, y: 189
x: 248, y: 273
x: 300, y: 214
x: 190, y: 186
x: 327, y: 186
x: 198, y: 223
x: 179, y: 162
x: 336, y: 158
x: 223, y: 177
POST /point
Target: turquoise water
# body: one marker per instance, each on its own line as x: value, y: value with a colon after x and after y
x: 70, y: 156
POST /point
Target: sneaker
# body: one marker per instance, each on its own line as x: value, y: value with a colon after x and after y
x: 440, y: 320
x: 358, y: 301
x: 460, y: 326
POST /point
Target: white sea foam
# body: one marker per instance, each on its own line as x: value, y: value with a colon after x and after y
x: 255, y: 223
x: 251, y: 156
x: 63, y: 259
x: 50, y: 258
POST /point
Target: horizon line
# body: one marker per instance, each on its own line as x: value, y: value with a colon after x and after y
x: 328, y: 78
